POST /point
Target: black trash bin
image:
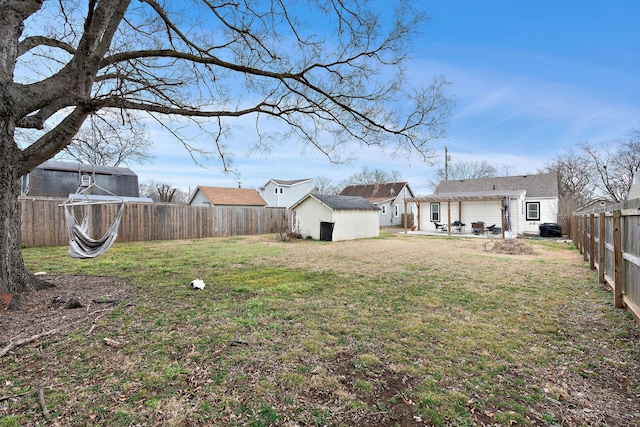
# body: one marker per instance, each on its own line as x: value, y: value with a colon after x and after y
x: 550, y: 229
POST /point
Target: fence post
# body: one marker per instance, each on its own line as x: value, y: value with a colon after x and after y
x: 577, y: 236
x: 592, y: 241
x: 618, y: 287
x: 601, y: 247
x: 585, y: 236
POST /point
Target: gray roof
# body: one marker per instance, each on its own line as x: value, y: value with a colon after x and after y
x: 376, y: 193
x: 345, y: 202
x: 539, y: 185
x: 289, y: 181
x: 84, y: 168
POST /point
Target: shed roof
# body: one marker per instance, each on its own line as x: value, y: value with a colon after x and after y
x: 538, y: 185
x: 337, y: 202
x: 376, y: 193
x: 231, y: 196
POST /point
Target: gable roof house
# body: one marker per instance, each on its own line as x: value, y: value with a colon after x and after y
x: 226, y: 196
x: 389, y: 197
x: 514, y: 204
x: 334, y: 218
x: 284, y: 193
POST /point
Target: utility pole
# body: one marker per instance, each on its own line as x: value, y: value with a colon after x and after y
x: 446, y: 164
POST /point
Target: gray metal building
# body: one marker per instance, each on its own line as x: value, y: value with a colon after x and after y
x: 60, y: 179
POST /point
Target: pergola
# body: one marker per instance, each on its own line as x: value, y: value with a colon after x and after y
x: 502, y: 197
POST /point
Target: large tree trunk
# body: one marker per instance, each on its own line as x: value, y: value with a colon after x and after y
x: 14, y: 277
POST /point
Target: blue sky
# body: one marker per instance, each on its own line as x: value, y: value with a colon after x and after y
x: 530, y: 79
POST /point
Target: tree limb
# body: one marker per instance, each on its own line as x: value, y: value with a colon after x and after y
x: 43, y: 404
x: 31, y: 42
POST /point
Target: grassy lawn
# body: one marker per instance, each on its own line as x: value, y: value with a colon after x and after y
x: 398, y: 330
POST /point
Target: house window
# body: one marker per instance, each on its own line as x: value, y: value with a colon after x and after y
x: 384, y: 209
x: 276, y: 190
x: 533, y: 211
x: 396, y: 210
x: 435, y: 212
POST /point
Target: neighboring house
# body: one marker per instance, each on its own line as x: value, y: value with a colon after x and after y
x: 388, y: 197
x: 226, y: 196
x: 335, y: 218
x: 284, y: 193
x: 595, y: 204
x: 60, y: 179
x: 518, y: 204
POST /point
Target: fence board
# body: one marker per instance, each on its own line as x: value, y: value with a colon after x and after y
x: 43, y: 222
x: 609, y: 238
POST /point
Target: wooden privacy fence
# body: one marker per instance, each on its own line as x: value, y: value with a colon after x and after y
x: 609, y: 239
x: 43, y: 222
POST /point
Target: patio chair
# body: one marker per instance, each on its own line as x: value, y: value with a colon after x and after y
x: 458, y: 226
x: 490, y: 229
x: 441, y: 227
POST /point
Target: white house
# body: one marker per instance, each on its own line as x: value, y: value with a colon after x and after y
x: 226, y: 196
x: 335, y: 218
x: 284, y: 193
x: 518, y: 204
x: 389, y: 197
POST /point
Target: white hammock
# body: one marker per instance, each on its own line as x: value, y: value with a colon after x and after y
x: 81, y: 245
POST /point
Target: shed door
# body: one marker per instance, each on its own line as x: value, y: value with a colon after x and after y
x: 326, y: 231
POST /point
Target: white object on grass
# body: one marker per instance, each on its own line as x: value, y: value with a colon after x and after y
x: 197, y: 284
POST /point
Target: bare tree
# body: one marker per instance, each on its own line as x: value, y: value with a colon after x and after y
x: 615, y: 164
x: 575, y: 184
x: 324, y: 185
x: 464, y: 170
x: 106, y: 142
x: 334, y: 81
x: 372, y: 176
x: 163, y: 193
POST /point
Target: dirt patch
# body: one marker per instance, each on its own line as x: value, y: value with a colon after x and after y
x: 72, y: 299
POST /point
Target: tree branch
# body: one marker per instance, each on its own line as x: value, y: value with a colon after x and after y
x: 31, y: 42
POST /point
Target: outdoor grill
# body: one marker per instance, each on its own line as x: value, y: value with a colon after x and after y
x: 550, y: 229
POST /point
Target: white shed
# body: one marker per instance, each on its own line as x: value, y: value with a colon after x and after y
x: 336, y: 218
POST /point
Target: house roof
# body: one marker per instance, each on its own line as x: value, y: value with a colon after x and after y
x: 286, y: 182
x: 376, y: 193
x: 539, y: 185
x: 230, y: 196
x: 83, y: 168
x: 337, y: 202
